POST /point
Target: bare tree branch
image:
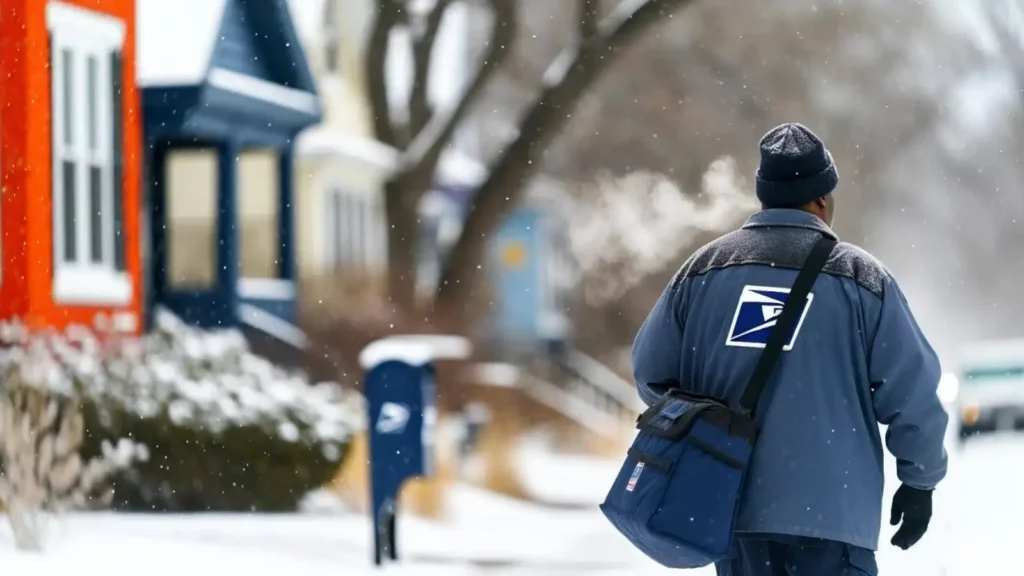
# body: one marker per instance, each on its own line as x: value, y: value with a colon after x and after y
x: 420, y: 157
x: 388, y: 16
x: 588, y: 15
x: 1004, y: 23
x: 423, y: 153
x: 423, y: 49
x: 565, y: 81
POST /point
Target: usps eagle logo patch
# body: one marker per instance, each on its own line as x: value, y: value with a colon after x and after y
x: 757, y: 312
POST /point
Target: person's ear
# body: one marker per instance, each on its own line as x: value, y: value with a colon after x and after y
x: 822, y: 204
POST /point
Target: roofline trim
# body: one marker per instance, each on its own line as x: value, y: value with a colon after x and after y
x: 260, y: 89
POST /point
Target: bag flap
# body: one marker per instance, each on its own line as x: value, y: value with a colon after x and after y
x: 673, y: 414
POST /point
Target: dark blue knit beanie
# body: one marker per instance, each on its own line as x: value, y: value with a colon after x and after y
x: 795, y: 167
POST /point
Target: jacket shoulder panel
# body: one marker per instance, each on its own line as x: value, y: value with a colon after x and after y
x: 783, y: 247
x: 852, y: 261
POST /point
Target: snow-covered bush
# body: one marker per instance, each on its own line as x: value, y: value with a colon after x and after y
x: 41, y: 465
x: 224, y: 429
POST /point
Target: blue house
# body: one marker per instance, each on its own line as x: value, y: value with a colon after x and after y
x: 228, y: 75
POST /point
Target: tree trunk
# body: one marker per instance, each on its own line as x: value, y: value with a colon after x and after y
x: 403, y: 226
x: 566, y: 81
x: 503, y: 188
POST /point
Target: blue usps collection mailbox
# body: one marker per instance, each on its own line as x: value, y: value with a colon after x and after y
x: 400, y: 395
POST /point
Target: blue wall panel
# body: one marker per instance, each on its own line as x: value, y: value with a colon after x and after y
x: 205, y: 308
x: 515, y: 257
x: 255, y: 40
x: 238, y: 48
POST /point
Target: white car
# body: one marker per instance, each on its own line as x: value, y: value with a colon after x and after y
x: 988, y: 387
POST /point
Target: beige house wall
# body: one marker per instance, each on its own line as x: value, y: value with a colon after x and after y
x: 330, y: 156
x: 317, y: 177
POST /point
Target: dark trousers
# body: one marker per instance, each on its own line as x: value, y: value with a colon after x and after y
x: 796, y: 556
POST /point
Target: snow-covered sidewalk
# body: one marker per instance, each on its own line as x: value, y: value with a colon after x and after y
x: 975, y: 532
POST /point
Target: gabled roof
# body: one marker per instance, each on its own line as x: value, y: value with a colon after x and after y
x: 177, y: 40
x: 211, y: 68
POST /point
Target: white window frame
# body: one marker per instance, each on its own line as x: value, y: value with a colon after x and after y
x: 85, y: 33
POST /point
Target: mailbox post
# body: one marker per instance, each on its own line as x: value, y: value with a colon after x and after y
x: 400, y: 395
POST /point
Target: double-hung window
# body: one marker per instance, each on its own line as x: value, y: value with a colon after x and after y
x: 356, y: 237
x: 86, y: 69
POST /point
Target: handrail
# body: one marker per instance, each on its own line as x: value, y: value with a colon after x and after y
x: 605, y: 378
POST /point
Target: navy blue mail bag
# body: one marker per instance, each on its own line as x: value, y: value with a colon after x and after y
x: 676, y: 496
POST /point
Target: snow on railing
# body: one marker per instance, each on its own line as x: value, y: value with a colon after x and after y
x: 594, y: 397
x: 575, y: 405
x: 600, y: 376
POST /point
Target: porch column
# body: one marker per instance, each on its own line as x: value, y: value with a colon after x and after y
x: 155, y: 284
x: 286, y: 213
x: 227, y: 229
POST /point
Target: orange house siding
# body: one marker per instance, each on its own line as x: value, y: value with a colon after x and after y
x: 26, y: 211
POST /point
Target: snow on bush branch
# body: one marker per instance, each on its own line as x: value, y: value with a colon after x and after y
x: 41, y: 466
x: 622, y: 229
x: 51, y: 383
x: 195, y: 378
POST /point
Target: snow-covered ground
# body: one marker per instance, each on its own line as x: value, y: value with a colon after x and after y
x: 976, y: 531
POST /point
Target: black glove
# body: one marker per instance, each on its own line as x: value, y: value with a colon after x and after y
x: 914, y: 507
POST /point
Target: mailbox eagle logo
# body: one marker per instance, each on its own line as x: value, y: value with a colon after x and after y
x: 392, y: 418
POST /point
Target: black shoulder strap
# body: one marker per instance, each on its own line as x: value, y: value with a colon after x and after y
x: 787, y: 320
